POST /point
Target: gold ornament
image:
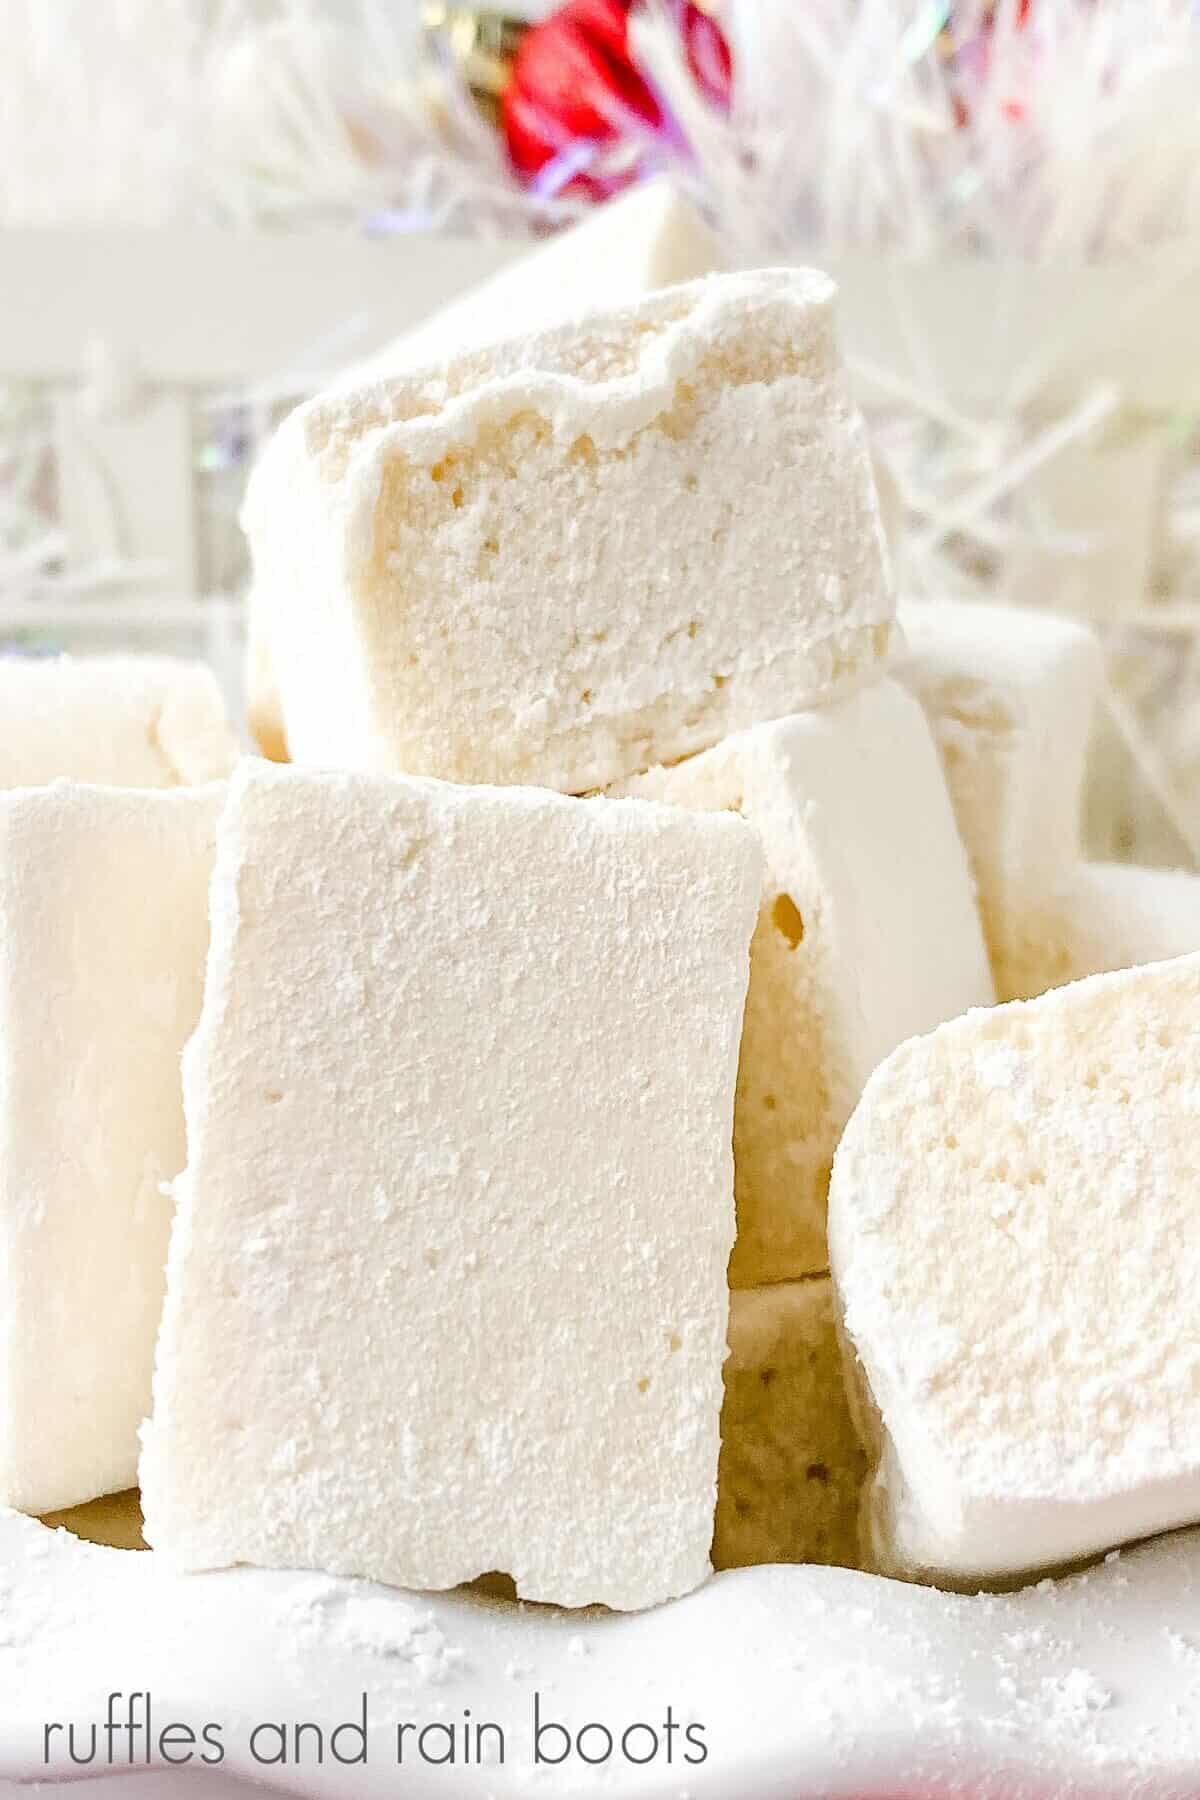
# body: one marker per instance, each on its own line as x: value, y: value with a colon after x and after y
x: 480, y: 43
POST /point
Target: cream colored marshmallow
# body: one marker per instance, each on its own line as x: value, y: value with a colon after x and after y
x: 1109, y: 916
x: 104, y: 923
x: 117, y: 721
x: 447, y: 1289
x: 867, y: 934
x: 1009, y: 695
x: 1012, y: 1227
x: 647, y: 239
x: 566, y: 558
x: 792, y: 1468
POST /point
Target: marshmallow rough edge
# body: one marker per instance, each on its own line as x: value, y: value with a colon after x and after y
x: 1013, y: 1234
x: 104, y: 922
x: 867, y: 934
x: 447, y: 1285
x: 567, y: 558
x: 116, y: 721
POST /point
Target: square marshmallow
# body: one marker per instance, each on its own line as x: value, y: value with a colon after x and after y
x: 566, y: 558
x: 650, y: 238
x: 117, y: 721
x: 1013, y: 1230
x: 1009, y: 695
x: 867, y: 934
x: 447, y: 1289
x: 104, y: 923
x: 792, y: 1468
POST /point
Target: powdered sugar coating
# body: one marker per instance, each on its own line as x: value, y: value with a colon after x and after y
x: 1012, y: 1233
x: 447, y: 1290
x: 569, y: 557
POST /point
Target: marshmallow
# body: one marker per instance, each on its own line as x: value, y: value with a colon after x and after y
x: 1012, y: 1227
x: 1110, y: 916
x: 792, y: 1468
x: 570, y: 557
x: 867, y: 934
x: 447, y: 1292
x: 103, y: 918
x: 1009, y: 695
x: 116, y: 721
x: 649, y: 238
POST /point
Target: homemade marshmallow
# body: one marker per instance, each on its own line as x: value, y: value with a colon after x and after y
x: 867, y: 934
x: 1009, y: 695
x: 649, y: 238
x: 792, y: 1468
x: 1012, y: 1227
x: 446, y: 1292
x: 116, y: 721
x: 104, y: 922
x: 569, y: 557
x: 1108, y: 916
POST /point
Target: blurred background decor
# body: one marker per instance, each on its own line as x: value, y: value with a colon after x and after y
x: 208, y: 206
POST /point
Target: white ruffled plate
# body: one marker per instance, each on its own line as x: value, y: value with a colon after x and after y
x: 802, y: 1681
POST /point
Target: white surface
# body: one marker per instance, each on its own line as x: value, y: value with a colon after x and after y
x: 116, y: 721
x: 567, y: 558
x: 810, y: 1684
x: 858, y: 833
x: 104, y: 927
x: 446, y: 1291
x: 1009, y: 695
x: 1012, y: 1232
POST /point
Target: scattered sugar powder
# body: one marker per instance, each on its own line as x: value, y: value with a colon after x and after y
x: 324, y: 1616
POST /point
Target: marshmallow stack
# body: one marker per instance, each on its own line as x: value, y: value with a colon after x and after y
x: 481, y: 1070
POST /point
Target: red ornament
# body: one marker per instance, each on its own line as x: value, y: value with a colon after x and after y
x: 574, y: 87
x: 577, y: 108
